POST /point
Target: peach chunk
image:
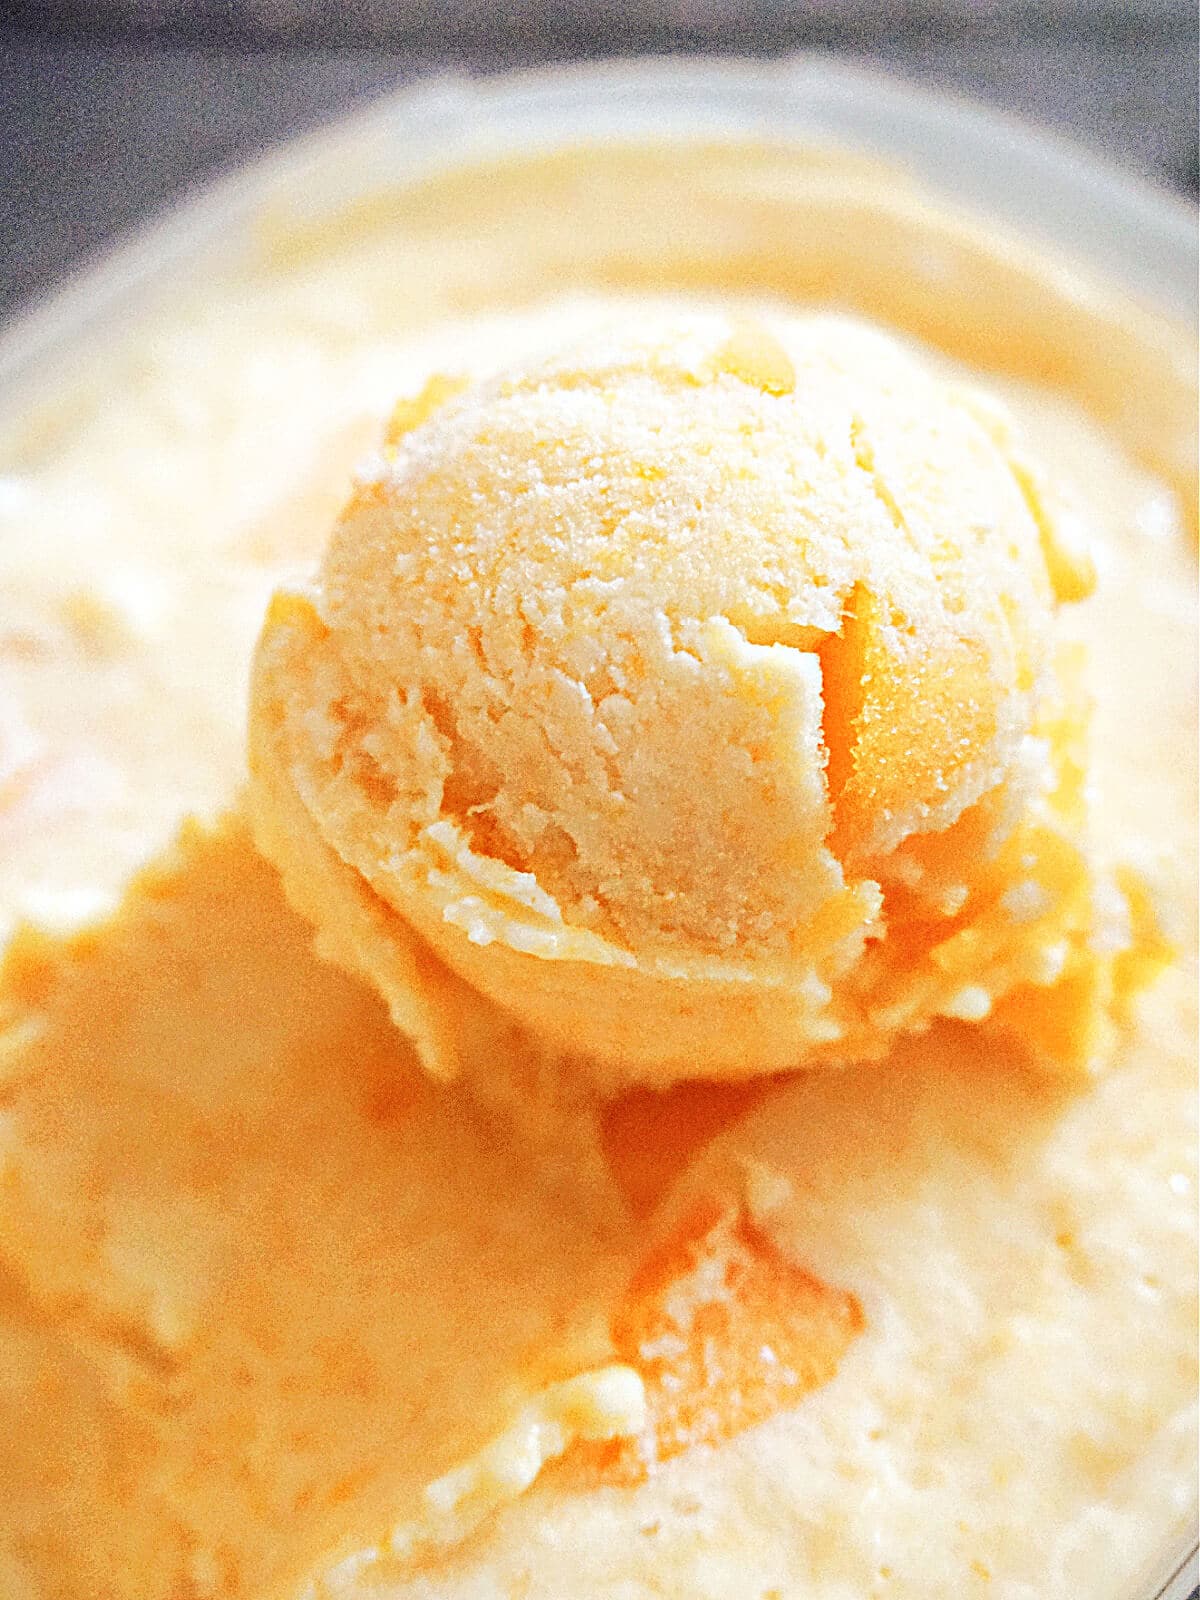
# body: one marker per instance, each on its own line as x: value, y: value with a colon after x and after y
x: 725, y: 1331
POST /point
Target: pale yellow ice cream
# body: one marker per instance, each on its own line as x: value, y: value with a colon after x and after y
x: 694, y: 693
x: 281, y: 1318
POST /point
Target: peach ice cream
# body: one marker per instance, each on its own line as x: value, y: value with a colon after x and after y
x: 694, y: 693
x: 283, y: 1318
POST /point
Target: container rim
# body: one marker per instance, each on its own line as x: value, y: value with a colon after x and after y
x: 1039, y: 183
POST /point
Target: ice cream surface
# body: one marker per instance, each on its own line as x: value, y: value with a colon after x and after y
x: 694, y: 691
x: 281, y: 1317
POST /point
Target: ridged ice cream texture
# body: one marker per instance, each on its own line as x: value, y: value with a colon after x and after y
x: 694, y: 694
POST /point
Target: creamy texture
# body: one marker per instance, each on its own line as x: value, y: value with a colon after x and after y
x: 263, y: 1288
x: 279, y: 372
x: 196, y: 1360
x: 707, y: 669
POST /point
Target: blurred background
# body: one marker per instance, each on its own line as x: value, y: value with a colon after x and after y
x: 108, y: 107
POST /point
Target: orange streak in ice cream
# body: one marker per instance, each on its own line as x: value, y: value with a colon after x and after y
x: 725, y: 1331
x: 650, y: 1137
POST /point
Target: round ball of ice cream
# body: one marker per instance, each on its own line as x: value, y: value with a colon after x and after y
x: 678, y: 692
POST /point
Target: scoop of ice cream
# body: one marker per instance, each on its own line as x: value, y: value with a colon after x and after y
x: 692, y: 693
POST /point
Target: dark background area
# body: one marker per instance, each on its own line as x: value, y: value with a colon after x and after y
x: 108, y: 108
